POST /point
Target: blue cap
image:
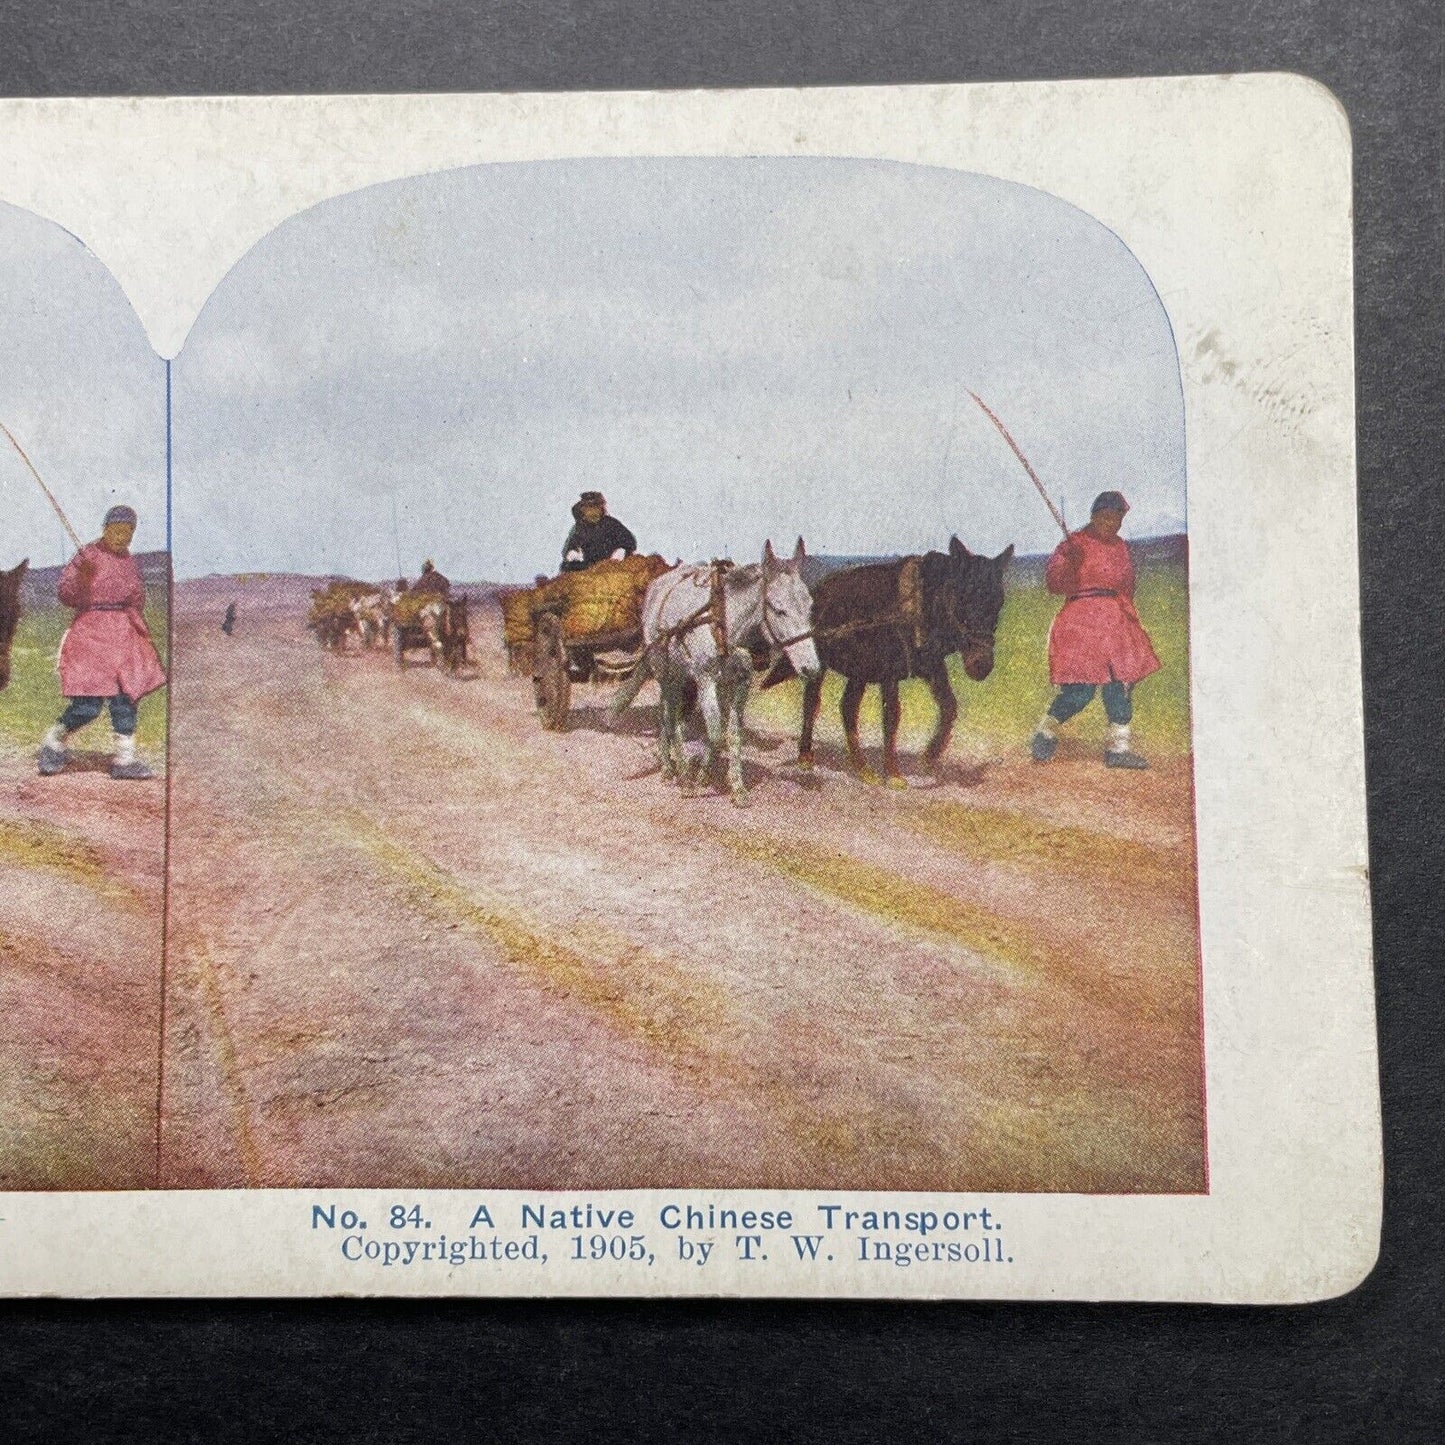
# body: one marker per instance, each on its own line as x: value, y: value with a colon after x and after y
x: 120, y: 514
x: 1109, y: 502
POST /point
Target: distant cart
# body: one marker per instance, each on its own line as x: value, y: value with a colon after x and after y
x: 438, y: 624
x: 581, y: 627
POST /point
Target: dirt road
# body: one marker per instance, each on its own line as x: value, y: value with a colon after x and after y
x: 82, y: 859
x: 416, y: 940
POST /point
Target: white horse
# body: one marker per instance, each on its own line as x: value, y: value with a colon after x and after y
x: 700, y: 625
x: 373, y: 614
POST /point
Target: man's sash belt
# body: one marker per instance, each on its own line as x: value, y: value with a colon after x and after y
x: 1091, y: 592
x: 105, y: 607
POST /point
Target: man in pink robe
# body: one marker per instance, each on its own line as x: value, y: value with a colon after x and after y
x: 1096, y: 641
x: 107, y: 654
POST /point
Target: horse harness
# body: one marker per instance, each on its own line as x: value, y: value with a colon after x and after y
x: 713, y: 613
x: 909, y: 615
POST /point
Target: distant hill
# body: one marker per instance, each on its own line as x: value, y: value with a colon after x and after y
x: 38, y: 589
x: 291, y: 591
x: 280, y: 591
x: 1023, y: 570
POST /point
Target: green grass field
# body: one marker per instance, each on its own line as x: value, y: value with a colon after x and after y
x: 33, y: 701
x: 1000, y: 714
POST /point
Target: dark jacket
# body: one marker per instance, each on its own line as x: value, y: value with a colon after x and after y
x: 596, y: 541
x: 432, y: 581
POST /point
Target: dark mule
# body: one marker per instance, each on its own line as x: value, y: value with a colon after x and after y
x: 456, y: 634
x: 892, y: 620
x: 9, y: 615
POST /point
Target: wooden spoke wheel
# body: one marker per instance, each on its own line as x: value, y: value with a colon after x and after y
x: 549, y: 673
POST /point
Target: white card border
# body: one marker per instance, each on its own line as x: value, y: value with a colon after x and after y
x: 1233, y: 192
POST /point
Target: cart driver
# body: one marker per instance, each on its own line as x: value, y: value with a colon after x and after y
x: 595, y: 536
x: 432, y: 581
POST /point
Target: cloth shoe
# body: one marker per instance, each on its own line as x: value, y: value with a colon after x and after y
x: 125, y: 766
x: 53, y: 757
x: 1125, y: 758
x: 1043, y: 747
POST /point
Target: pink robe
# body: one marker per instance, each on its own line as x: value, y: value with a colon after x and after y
x: 1099, y: 638
x: 108, y: 648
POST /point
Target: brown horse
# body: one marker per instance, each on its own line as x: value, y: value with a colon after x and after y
x: 9, y: 615
x: 456, y: 635
x: 888, y: 621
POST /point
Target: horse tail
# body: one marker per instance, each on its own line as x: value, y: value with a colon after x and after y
x: 632, y: 684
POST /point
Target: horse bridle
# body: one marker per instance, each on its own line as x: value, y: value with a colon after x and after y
x: 779, y: 644
x: 969, y: 636
x: 713, y: 613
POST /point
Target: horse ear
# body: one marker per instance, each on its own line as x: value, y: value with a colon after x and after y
x: 799, y: 552
x: 770, y: 558
x: 1006, y: 556
x: 957, y: 550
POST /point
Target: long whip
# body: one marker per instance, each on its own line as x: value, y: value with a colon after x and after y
x: 137, y: 623
x: 49, y: 495
x: 1017, y: 450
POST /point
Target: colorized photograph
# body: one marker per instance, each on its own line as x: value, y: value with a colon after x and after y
x: 84, y: 628
x: 679, y: 677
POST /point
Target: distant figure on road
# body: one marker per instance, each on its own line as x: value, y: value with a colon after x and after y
x: 431, y: 580
x: 228, y: 625
x: 106, y: 654
x: 595, y: 536
x: 1097, y: 640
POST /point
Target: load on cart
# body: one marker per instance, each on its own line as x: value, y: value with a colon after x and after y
x: 582, y: 626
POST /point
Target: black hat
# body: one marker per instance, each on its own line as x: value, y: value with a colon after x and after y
x: 1109, y: 502
x: 591, y: 499
x: 120, y: 514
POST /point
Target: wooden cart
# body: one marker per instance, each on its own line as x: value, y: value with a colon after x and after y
x: 558, y: 661
x: 453, y: 637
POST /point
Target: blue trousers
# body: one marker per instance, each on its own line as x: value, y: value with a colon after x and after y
x: 82, y: 710
x: 1074, y: 697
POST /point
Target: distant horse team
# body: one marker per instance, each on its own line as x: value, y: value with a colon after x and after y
x: 421, y: 617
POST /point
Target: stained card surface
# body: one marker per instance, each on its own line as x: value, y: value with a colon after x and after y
x: 743, y: 692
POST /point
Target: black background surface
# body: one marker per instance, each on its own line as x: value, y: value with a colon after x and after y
x: 1367, y: 1367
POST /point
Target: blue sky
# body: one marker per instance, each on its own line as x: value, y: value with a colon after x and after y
x: 730, y: 349
x: 81, y: 389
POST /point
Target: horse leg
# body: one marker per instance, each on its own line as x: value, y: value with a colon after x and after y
x: 852, y: 701
x: 667, y: 726
x: 712, y: 713
x: 737, y: 700
x: 892, y: 714
x: 942, y: 690
x: 812, y: 697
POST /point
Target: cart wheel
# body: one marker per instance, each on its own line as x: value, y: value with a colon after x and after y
x: 549, y: 677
